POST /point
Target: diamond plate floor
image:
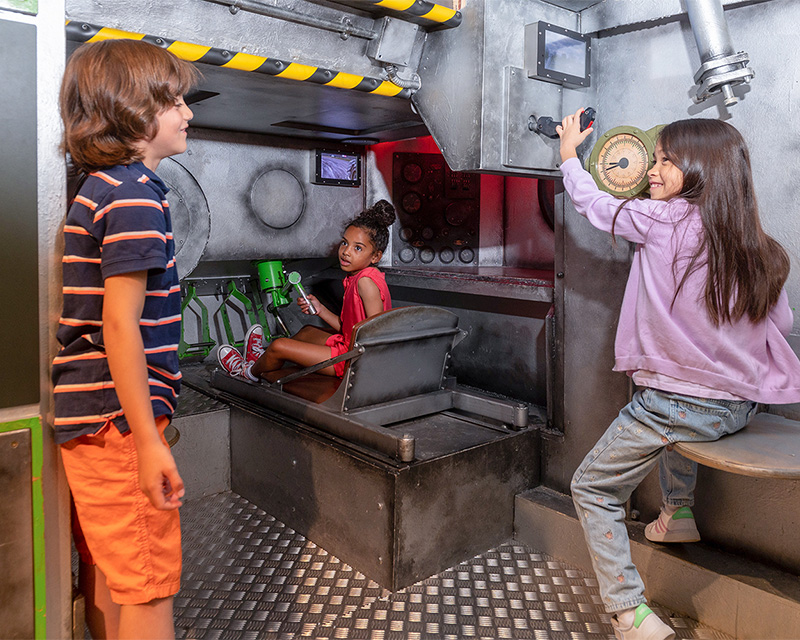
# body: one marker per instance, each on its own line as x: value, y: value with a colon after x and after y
x: 248, y: 576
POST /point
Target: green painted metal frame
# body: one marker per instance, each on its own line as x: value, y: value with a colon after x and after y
x: 206, y: 344
x: 233, y: 292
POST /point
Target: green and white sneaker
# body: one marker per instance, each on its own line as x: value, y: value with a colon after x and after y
x: 679, y: 527
x: 646, y: 626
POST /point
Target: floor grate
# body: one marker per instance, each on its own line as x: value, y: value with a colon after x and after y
x: 247, y: 576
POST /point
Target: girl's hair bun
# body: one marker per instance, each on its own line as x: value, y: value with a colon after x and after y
x: 382, y: 212
x: 376, y: 222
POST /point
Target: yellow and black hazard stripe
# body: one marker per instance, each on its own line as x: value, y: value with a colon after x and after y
x: 427, y: 14
x: 84, y: 32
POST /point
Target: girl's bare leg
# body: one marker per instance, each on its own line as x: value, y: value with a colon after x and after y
x: 314, y: 335
x: 283, y: 350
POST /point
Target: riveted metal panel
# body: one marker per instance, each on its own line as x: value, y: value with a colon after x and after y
x: 528, y: 98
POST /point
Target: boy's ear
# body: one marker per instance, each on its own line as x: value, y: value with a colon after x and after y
x: 376, y: 257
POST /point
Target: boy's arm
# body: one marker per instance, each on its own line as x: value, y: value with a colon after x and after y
x: 122, y: 309
x: 370, y: 296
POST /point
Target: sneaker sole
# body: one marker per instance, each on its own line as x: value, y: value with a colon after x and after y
x: 673, y: 536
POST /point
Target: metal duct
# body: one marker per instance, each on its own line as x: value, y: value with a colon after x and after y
x: 722, y: 67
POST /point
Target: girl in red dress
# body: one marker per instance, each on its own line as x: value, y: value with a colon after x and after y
x: 365, y: 294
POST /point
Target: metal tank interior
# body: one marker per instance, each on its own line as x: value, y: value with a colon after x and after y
x: 426, y: 495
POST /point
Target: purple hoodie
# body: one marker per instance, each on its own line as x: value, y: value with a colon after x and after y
x: 753, y: 361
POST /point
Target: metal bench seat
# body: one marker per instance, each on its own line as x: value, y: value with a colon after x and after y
x: 396, y: 372
x: 768, y: 447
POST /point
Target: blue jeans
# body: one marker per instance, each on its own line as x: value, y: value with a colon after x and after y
x: 621, y: 459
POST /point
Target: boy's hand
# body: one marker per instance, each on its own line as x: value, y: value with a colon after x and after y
x: 571, y: 135
x: 159, y: 478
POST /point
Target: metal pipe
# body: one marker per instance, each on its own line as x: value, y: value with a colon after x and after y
x: 345, y: 28
x: 722, y: 68
x: 710, y: 29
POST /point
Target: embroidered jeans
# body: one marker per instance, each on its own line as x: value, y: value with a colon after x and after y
x: 622, y: 458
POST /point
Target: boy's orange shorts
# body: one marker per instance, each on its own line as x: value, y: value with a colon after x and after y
x: 135, y: 545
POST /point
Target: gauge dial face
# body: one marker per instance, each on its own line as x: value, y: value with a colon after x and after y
x: 623, y: 163
x: 411, y: 202
x: 412, y: 172
x: 620, y: 160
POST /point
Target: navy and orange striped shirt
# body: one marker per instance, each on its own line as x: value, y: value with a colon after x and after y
x: 118, y: 223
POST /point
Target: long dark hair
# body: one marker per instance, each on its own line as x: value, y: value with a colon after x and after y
x: 746, y: 268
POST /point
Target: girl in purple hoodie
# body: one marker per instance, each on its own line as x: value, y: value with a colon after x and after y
x: 702, y: 331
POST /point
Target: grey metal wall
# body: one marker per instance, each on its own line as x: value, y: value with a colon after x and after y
x: 642, y: 75
x: 215, y: 25
x: 249, y: 216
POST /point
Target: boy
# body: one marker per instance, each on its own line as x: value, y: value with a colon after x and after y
x: 116, y: 377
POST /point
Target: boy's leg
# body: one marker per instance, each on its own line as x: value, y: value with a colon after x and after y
x: 136, y: 546
x: 102, y: 613
x: 150, y: 621
x: 614, y: 467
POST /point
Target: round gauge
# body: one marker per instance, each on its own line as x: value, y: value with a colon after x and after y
x: 412, y: 172
x: 426, y: 254
x: 411, y: 202
x: 458, y: 212
x: 466, y: 255
x: 406, y: 233
x: 446, y: 255
x: 621, y: 159
x: 406, y: 255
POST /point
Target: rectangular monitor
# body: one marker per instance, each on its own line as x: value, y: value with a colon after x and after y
x: 563, y: 56
x: 337, y: 168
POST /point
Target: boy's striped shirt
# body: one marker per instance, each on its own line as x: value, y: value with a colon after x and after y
x: 118, y: 223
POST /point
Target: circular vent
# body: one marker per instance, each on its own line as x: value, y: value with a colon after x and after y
x: 277, y: 198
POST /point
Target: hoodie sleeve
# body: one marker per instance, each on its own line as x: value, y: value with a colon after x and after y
x: 635, y: 218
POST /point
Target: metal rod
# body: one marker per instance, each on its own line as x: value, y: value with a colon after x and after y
x: 344, y: 28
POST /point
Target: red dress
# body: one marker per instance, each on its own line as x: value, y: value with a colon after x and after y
x: 353, y: 312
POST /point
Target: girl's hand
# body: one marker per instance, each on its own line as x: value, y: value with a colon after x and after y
x: 571, y: 135
x: 304, y: 305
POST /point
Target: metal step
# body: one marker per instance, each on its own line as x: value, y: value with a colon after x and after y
x: 741, y: 598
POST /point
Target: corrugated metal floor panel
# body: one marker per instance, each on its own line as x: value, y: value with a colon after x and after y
x: 248, y: 576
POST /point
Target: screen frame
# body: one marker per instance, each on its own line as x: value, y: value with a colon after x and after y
x: 335, y: 182
x: 543, y: 73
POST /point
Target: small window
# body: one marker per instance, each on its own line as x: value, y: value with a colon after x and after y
x: 337, y: 168
x: 563, y: 56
